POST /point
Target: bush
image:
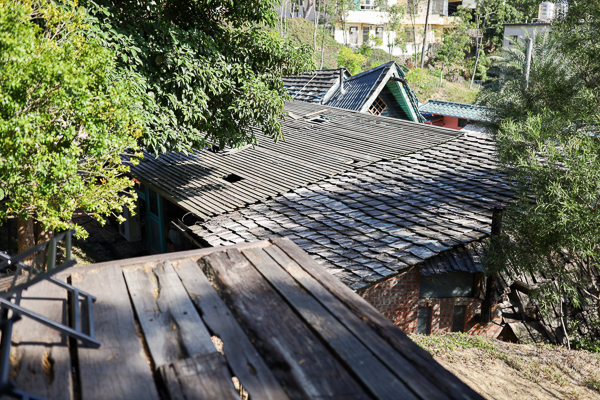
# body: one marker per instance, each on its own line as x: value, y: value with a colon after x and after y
x: 351, y: 60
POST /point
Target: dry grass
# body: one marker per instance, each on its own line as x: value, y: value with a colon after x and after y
x: 572, y: 374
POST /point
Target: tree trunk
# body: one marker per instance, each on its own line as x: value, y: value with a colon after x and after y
x: 323, y: 43
x: 308, y: 9
x: 25, y: 235
x: 425, y: 36
x: 441, y: 73
x: 316, y: 27
x: 42, y: 234
x: 477, y: 44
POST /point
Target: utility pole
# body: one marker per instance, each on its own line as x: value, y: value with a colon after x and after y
x: 425, y: 35
x: 528, y: 67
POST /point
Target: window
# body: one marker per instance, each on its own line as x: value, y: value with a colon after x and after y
x: 462, y: 122
x: 366, y: 34
x: 410, y: 38
x: 378, y: 106
x: 452, y: 284
x: 459, y: 319
x: 424, y: 320
x: 440, y: 7
x: 367, y: 5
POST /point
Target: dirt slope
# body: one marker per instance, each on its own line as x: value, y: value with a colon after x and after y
x: 499, y: 370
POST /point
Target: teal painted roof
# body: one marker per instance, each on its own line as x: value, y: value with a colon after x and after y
x: 450, y: 109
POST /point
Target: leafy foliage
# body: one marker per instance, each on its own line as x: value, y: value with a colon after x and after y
x: 454, y: 44
x: 548, y: 143
x: 351, y: 60
x: 64, y: 123
x: 494, y: 13
x: 205, y: 70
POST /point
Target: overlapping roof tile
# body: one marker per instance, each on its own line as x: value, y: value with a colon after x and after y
x: 459, y: 110
x: 366, y: 224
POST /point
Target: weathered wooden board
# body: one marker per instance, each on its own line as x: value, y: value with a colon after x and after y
x: 379, y: 380
x: 119, y: 369
x: 170, y: 323
x: 199, y: 378
x: 43, y: 364
x: 420, y: 358
x: 242, y: 357
x: 403, y: 369
x: 300, y: 361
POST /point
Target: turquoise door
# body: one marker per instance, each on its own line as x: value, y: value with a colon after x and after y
x: 155, y: 222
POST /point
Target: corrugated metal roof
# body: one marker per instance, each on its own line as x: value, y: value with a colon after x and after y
x: 466, y: 111
x: 359, y: 88
x: 322, y: 87
x: 312, y: 87
x: 312, y: 151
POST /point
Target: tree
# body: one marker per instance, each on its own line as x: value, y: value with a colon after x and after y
x: 425, y: 34
x: 206, y: 71
x: 65, y: 122
x: 393, y: 15
x: 413, y: 9
x: 351, y: 60
x: 547, y: 144
x: 453, y: 47
x: 342, y: 10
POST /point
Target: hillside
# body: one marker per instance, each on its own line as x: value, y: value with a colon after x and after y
x: 425, y: 83
x: 500, y: 370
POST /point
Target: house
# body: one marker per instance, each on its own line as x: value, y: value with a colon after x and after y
x: 395, y: 210
x: 382, y: 90
x: 453, y: 115
x: 366, y: 20
x: 547, y: 12
x: 256, y: 320
x: 516, y: 31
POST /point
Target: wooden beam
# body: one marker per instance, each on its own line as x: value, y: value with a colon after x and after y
x: 119, y: 369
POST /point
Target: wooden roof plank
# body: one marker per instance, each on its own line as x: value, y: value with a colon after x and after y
x: 203, y: 377
x: 311, y: 370
x: 171, y: 326
x: 405, y: 371
x: 374, y: 375
x: 119, y: 368
x: 37, y: 345
x: 244, y: 360
x: 423, y: 361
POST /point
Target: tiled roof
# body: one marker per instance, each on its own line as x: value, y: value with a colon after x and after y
x: 466, y: 111
x: 319, y: 142
x: 359, y: 88
x: 367, y: 224
x: 312, y: 87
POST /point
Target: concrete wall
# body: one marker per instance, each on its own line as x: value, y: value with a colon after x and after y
x: 511, y: 32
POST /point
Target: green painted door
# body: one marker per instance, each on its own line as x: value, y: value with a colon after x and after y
x: 155, y: 222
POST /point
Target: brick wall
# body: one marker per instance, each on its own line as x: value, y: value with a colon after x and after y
x: 398, y: 299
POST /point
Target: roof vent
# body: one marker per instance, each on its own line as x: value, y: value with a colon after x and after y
x: 232, y: 178
x: 342, y: 89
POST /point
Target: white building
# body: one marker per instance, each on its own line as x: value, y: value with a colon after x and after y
x: 367, y: 20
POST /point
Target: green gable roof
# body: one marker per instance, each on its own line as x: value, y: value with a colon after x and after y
x: 450, y: 109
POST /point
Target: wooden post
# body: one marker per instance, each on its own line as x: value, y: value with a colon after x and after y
x: 491, y: 283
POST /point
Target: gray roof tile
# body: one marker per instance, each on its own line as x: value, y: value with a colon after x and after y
x: 444, y: 209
